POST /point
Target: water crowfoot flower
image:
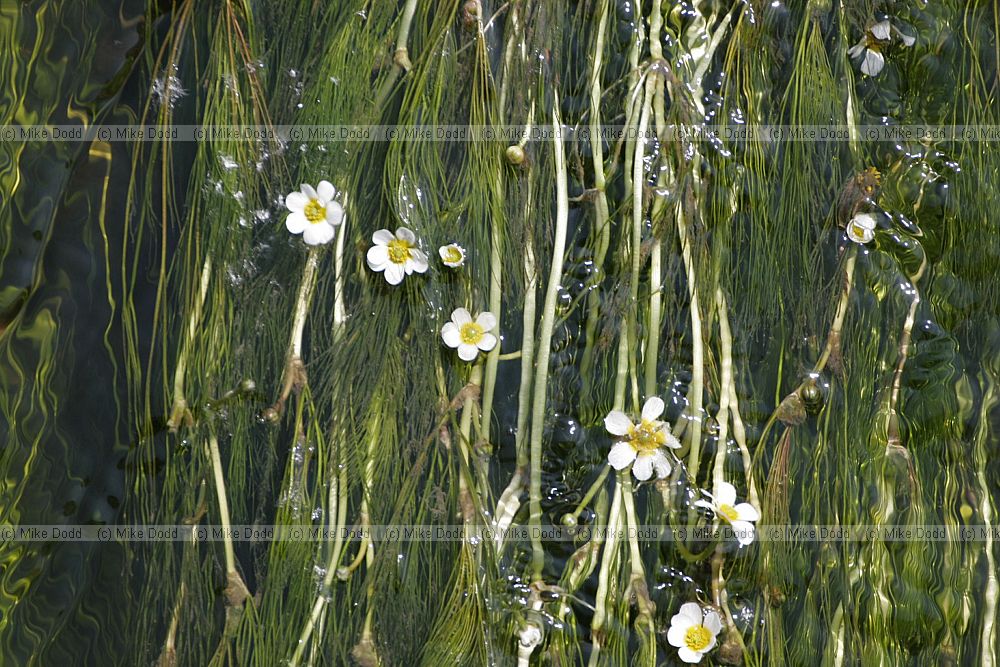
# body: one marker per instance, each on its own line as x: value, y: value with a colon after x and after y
x: 861, y: 228
x: 641, y: 445
x: 694, y: 632
x: 468, y: 336
x: 396, y: 256
x: 453, y: 255
x: 869, y: 49
x: 740, y: 516
x: 314, y: 213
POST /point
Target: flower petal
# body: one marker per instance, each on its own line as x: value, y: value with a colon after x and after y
x: 675, y: 635
x: 451, y: 335
x: 859, y: 234
x: 661, y: 464
x: 467, y: 352
x: 326, y: 191
x: 487, y: 342
x: 621, y: 455
x: 486, y: 320
x: 747, y: 512
x: 725, y: 494
x: 382, y: 237
x: 309, y: 191
x: 671, y: 440
x: 652, y: 408
x: 706, y: 504
x: 744, y: 532
x: 682, y: 622
x: 617, y: 423
x: 643, y: 466
x: 689, y: 656
x: 296, y: 222
x: 417, y: 262
x: 296, y: 201
x: 907, y: 40
x: 857, y: 49
x: 880, y: 30
x: 448, y: 254
x: 713, y: 622
x: 394, y: 273
x: 406, y: 235
x: 691, y: 611
x: 461, y: 316
x: 318, y: 234
x: 865, y: 221
x: 378, y: 257
x: 873, y: 63
x: 334, y: 213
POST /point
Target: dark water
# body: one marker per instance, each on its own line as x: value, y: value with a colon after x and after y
x: 65, y: 435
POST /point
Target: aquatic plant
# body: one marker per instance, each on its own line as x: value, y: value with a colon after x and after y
x: 677, y: 310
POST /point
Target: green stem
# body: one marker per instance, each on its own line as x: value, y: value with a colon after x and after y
x: 509, y: 501
x: 729, y: 399
x: 833, y: 338
x: 465, y: 441
x: 602, y: 226
x: 637, y: 582
x: 401, y: 56
x: 608, y: 560
x: 294, y: 373
x: 545, y: 343
x: 236, y: 590
x: 638, y: 222
x: 695, y: 392
x: 571, y: 518
x: 337, y: 513
x: 179, y: 411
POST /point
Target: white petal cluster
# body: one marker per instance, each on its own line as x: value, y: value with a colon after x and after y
x: 452, y: 255
x: 396, y: 255
x: 641, y: 445
x: 861, y: 228
x: 738, y: 515
x: 694, y: 632
x: 869, y: 49
x: 470, y: 336
x: 314, y: 213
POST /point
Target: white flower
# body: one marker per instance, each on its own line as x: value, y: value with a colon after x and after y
x: 693, y: 632
x: 468, y: 336
x: 530, y: 636
x: 873, y: 61
x: 641, y: 445
x: 453, y: 255
x: 870, y: 47
x: 861, y: 228
x: 396, y: 255
x: 907, y: 40
x: 314, y: 214
x: 740, y: 516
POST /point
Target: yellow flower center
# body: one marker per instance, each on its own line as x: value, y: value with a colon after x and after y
x: 399, y: 251
x: 452, y: 255
x: 314, y: 211
x: 858, y: 230
x: 647, y: 436
x: 470, y: 333
x: 697, y: 638
x: 728, y: 512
